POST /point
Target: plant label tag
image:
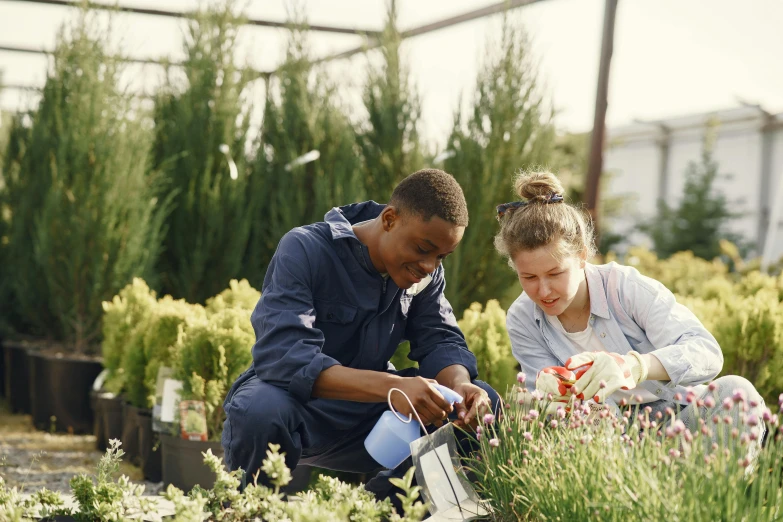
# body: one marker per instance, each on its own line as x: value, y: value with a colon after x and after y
x: 193, y: 420
x: 171, y: 388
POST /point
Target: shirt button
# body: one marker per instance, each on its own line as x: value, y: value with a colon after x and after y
x: 658, y: 390
x: 603, y: 334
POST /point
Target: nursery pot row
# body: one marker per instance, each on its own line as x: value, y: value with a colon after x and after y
x: 53, y: 388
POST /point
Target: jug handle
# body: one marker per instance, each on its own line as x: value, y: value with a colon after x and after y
x: 398, y: 415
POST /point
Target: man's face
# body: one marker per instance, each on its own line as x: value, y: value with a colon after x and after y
x: 412, y: 248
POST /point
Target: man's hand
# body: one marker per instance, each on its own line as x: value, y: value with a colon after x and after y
x: 606, y: 373
x: 428, y: 402
x: 475, y: 403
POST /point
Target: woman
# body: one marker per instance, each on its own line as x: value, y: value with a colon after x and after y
x: 638, y: 344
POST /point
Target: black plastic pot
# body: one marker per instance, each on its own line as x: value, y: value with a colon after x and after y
x: 107, y: 418
x: 17, y: 380
x: 60, y: 392
x: 149, y: 449
x: 183, y: 463
x: 130, y: 432
x: 2, y: 368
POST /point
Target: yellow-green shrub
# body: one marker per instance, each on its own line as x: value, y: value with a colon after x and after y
x: 486, y: 335
x: 239, y: 294
x: 209, y: 356
x: 683, y: 273
x: 130, y: 307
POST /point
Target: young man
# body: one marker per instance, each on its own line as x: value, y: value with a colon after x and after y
x: 338, y: 298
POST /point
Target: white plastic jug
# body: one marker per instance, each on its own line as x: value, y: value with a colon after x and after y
x: 389, y: 441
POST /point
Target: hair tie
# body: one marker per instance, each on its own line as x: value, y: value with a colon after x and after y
x: 505, y: 208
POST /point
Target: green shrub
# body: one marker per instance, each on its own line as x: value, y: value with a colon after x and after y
x: 209, y: 356
x: 239, y: 294
x: 486, y: 335
x: 83, y: 217
x: 121, y: 316
x: 750, y: 333
x: 683, y: 273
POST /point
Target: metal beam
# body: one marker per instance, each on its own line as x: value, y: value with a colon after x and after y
x: 146, y: 61
x: 177, y: 14
x: 435, y: 26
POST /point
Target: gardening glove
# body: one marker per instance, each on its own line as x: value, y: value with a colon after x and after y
x: 557, y: 381
x: 615, y: 371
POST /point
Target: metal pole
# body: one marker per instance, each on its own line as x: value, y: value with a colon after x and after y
x: 595, y: 164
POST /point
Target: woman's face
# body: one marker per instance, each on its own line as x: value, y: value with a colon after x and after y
x: 550, y: 283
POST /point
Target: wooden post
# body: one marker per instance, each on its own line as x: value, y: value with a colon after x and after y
x: 595, y: 164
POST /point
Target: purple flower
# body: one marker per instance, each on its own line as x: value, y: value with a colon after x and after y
x: 533, y: 414
x: 727, y: 404
x: 678, y: 427
x: 489, y: 418
x: 709, y: 401
x: 553, y: 423
x: 528, y: 435
x: 767, y: 415
x: 738, y: 395
x: 561, y: 412
x: 537, y: 395
x: 752, y: 420
x: 494, y: 443
x: 521, y: 377
x: 714, y: 387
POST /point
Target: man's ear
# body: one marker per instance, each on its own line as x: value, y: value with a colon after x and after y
x: 389, y: 218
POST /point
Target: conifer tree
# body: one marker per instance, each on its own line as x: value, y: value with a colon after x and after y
x: 389, y: 138
x: 307, y: 160
x: 200, y: 129
x: 82, y: 218
x: 507, y: 128
x: 699, y: 222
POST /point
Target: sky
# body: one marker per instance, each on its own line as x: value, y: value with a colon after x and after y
x: 672, y: 57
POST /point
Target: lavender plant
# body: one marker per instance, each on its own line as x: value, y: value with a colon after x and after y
x: 585, y: 464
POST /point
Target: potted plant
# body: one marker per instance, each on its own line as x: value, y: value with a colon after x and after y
x: 84, y: 220
x: 210, y: 355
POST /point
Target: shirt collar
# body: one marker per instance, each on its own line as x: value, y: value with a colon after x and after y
x: 341, y: 219
x: 595, y: 284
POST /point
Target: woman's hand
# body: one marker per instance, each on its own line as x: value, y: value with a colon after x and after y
x: 606, y: 373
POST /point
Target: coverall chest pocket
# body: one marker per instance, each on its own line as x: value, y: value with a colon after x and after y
x: 337, y: 322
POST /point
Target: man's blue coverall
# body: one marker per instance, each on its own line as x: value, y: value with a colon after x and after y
x: 323, y: 303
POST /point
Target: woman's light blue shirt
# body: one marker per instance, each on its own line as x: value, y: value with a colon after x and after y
x: 628, y: 311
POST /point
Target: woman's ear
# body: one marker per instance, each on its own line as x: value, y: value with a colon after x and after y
x: 583, y: 258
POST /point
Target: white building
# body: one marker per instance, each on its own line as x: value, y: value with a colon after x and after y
x: 647, y: 161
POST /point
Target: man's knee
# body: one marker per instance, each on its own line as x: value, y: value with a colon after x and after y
x: 256, y: 415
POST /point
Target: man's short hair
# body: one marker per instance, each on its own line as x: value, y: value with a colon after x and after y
x: 431, y: 192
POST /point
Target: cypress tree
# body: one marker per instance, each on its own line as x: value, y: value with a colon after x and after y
x: 389, y: 138
x: 82, y: 218
x: 507, y: 128
x: 209, y: 226
x: 302, y: 115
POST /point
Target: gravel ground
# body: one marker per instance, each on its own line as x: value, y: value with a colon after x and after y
x: 32, y: 460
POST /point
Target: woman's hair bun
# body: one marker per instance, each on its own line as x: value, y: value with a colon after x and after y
x: 537, y: 185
